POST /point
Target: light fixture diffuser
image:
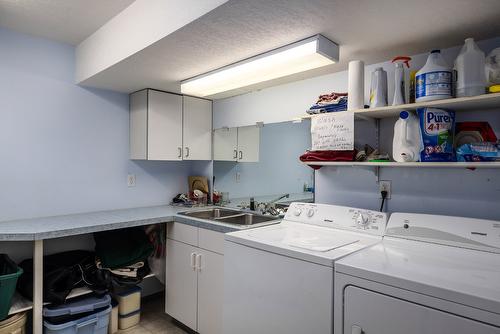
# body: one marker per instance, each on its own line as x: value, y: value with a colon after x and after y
x: 307, y: 54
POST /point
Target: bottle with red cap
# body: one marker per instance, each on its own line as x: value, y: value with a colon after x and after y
x: 399, y: 79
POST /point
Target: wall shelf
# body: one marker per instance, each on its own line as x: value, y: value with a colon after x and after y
x: 480, y: 102
x: 469, y: 165
x: 21, y: 304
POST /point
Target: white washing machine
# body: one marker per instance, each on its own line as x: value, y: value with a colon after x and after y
x: 430, y: 274
x: 278, y: 279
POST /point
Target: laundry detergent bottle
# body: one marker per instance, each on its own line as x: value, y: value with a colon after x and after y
x: 434, y: 80
x: 407, y: 142
x: 469, y: 66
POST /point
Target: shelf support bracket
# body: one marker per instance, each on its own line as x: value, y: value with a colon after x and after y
x: 377, y: 173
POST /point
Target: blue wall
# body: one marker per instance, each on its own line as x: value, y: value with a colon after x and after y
x: 278, y: 171
x: 64, y: 148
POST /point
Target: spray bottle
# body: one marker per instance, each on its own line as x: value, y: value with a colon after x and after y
x: 399, y: 79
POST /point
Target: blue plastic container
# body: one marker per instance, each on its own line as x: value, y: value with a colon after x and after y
x: 84, y: 315
x: 92, y: 324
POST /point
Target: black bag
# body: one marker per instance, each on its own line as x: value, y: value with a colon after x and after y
x: 62, y: 273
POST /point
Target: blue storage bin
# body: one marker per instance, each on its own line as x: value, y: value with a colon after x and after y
x: 96, y: 323
x: 76, y: 306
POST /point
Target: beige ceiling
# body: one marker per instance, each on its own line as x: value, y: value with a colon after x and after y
x: 369, y: 30
x: 68, y: 21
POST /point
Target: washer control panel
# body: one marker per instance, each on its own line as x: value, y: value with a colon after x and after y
x: 336, y: 216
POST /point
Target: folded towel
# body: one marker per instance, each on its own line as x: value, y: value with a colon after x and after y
x: 329, y: 103
x: 327, y: 156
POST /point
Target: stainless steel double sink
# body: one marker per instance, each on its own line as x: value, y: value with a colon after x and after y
x: 229, y: 216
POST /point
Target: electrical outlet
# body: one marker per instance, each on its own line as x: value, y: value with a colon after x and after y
x: 131, y: 180
x: 385, y: 185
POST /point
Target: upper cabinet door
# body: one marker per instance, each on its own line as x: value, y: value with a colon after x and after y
x: 164, y: 126
x: 248, y: 143
x: 225, y: 144
x: 197, y: 134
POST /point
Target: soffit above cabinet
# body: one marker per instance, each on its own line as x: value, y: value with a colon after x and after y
x: 373, y: 31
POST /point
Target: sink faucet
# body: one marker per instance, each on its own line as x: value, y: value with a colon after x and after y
x: 271, y: 209
x: 279, y: 198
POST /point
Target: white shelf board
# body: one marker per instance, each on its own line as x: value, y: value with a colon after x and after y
x: 480, y: 102
x: 391, y: 164
x: 21, y: 304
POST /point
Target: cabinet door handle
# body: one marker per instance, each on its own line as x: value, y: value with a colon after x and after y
x: 198, y: 262
x: 187, y: 151
x: 180, y: 152
x: 241, y: 155
x: 193, y: 261
x: 235, y: 156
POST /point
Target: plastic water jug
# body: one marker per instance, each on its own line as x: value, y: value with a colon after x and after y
x: 434, y: 80
x: 470, y: 64
x: 407, y: 142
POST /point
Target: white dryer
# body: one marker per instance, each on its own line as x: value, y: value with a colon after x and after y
x: 430, y: 274
x: 278, y: 279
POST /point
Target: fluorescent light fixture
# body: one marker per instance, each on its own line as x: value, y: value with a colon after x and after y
x: 307, y: 54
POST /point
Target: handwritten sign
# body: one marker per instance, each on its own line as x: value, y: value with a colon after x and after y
x: 333, y: 131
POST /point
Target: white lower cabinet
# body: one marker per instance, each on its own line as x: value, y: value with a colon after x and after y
x: 181, y: 283
x: 195, y: 276
x: 210, y: 293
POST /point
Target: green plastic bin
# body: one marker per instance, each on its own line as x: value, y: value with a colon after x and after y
x: 9, y: 273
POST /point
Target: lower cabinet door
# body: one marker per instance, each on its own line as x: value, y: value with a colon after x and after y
x: 369, y: 312
x: 181, y: 283
x: 210, y: 292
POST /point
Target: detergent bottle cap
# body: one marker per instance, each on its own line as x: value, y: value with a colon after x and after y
x: 404, y: 114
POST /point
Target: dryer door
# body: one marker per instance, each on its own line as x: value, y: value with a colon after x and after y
x: 368, y: 312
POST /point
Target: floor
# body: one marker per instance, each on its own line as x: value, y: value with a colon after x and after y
x: 154, y: 320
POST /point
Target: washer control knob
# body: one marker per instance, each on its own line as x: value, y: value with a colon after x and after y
x: 297, y: 212
x: 362, y: 220
x: 310, y: 213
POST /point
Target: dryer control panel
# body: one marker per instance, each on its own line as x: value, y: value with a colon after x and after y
x: 335, y: 216
x: 461, y: 232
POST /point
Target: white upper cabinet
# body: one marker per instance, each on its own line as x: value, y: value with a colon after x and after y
x: 165, y: 126
x: 237, y: 144
x: 226, y: 144
x: 197, y: 134
x: 248, y: 144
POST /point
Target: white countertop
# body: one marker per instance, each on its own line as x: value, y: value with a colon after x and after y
x: 83, y: 223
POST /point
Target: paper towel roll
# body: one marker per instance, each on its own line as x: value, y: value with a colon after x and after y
x: 356, y: 85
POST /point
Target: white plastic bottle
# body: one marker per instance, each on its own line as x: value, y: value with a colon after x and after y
x: 399, y: 85
x: 470, y: 64
x: 400, y: 80
x: 434, y: 80
x: 378, y: 89
x: 407, y: 141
